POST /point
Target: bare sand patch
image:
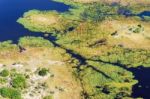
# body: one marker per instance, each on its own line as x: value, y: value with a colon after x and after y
x: 43, y: 19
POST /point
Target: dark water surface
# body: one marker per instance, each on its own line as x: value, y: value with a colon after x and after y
x: 143, y: 14
x: 142, y: 88
x: 127, y: 12
x: 11, y: 10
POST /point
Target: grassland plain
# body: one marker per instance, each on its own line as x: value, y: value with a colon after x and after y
x: 100, y: 42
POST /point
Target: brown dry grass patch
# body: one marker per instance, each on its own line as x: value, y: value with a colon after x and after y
x: 126, y: 37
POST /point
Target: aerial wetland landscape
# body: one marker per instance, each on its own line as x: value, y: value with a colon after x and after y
x: 74, y: 49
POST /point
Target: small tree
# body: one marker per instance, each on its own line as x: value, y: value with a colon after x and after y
x: 19, y: 82
x: 43, y: 72
x: 4, y: 73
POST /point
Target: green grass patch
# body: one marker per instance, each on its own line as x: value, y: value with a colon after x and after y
x: 4, y: 73
x: 34, y: 42
x: 10, y: 93
x: 19, y: 82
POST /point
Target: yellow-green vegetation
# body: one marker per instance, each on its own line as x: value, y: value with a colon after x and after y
x: 96, y: 37
x: 4, y: 73
x: 134, y: 5
x: 123, y: 2
x: 48, y: 97
x: 46, y: 21
x: 93, y: 39
x: 126, y: 57
x: 7, y: 45
x: 19, y: 81
x: 39, y: 72
x: 34, y: 42
x: 10, y: 93
x: 106, y: 81
x: 107, y: 40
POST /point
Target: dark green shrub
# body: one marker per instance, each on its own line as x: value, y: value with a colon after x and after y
x: 121, y: 95
x: 10, y: 93
x: 43, y: 72
x: 4, y: 73
x: 19, y: 82
x: 107, y: 89
x: 137, y: 30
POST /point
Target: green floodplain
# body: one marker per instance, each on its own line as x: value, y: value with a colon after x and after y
x: 94, y: 48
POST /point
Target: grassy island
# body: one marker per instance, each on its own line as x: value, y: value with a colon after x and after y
x: 52, y: 22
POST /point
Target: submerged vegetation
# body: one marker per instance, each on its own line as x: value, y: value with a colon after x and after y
x: 97, y: 42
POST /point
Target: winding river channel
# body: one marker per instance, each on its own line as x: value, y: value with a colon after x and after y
x: 11, y: 10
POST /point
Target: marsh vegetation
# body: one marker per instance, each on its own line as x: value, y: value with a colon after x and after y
x: 96, y: 44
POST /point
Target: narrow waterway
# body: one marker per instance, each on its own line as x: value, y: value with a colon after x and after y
x: 141, y: 89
